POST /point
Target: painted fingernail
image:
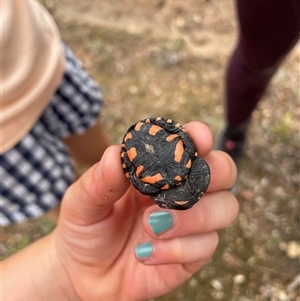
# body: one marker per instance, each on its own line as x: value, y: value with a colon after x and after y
x: 144, y: 250
x: 160, y: 222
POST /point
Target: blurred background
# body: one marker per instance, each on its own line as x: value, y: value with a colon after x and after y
x: 168, y: 58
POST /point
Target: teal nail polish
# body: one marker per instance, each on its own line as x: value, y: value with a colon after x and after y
x: 160, y: 222
x: 144, y: 250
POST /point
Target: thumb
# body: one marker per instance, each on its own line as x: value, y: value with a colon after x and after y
x: 91, y: 197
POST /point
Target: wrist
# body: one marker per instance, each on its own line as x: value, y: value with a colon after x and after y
x: 37, y: 274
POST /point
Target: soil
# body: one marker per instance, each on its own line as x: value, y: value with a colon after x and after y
x: 168, y: 58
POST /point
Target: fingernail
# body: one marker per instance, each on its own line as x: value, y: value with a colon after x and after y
x: 144, y: 250
x: 160, y: 222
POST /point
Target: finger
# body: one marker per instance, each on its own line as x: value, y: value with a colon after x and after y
x: 223, y: 171
x: 90, y: 198
x: 201, y: 136
x: 213, y: 212
x: 179, y: 250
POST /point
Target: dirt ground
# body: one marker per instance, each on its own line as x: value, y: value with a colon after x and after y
x: 168, y: 58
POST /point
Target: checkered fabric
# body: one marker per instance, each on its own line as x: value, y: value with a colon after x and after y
x: 37, y: 171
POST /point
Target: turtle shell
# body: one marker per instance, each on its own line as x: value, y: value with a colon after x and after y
x: 160, y: 160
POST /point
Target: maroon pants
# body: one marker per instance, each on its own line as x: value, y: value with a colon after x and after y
x: 268, y: 31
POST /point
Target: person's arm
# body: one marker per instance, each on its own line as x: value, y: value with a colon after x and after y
x: 106, y: 247
x: 36, y: 274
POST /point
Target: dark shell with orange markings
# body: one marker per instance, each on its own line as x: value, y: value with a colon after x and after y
x: 160, y: 160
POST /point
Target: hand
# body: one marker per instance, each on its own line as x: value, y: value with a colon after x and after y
x: 106, y: 247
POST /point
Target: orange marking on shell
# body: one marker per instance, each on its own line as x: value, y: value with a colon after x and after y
x: 127, y: 175
x: 147, y: 120
x: 179, y: 150
x: 139, y: 170
x: 138, y: 126
x: 152, y: 179
x: 189, y: 164
x: 169, y: 121
x: 165, y: 187
x: 128, y: 136
x: 132, y: 153
x: 171, y: 137
x: 178, y: 125
x: 122, y: 155
x: 181, y: 203
x: 154, y: 129
x: 158, y: 118
x: 124, y: 165
x: 178, y: 178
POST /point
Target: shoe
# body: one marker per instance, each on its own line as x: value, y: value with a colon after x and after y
x: 232, y: 141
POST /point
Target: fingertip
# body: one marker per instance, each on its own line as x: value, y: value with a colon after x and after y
x: 223, y: 170
x: 177, y: 250
x: 91, y: 197
x: 158, y: 221
x: 201, y: 135
x: 109, y: 170
x: 109, y: 159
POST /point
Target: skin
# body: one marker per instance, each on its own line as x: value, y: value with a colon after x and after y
x: 90, y: 254
x: 85, y: 149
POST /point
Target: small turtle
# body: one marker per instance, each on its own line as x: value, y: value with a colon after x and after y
x: 160, y: 160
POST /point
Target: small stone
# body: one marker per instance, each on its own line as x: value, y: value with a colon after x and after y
x: 239, y: 279
x: 133, y: 89
x: 193, y: 282
x: 280, y: 191
x: 293, y: 250
x: 259, y: 200
x: 180, y: 22
x: 283, y: 296
x: 218, y: 295
x: 172, y: 58
x: 216, y: 284
x: 264, y: 182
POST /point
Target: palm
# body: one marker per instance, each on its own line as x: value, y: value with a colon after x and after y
x: 127, y: 274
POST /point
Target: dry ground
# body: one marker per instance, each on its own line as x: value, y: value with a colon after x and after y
x: 168, y: 58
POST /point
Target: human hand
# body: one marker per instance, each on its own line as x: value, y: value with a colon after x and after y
x: 104, y: 247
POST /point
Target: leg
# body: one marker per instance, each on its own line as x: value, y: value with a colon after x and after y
x: 88, y: 148
x: 268, y: 31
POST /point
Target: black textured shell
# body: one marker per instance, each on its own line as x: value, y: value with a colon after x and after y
x: 160, y: 160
